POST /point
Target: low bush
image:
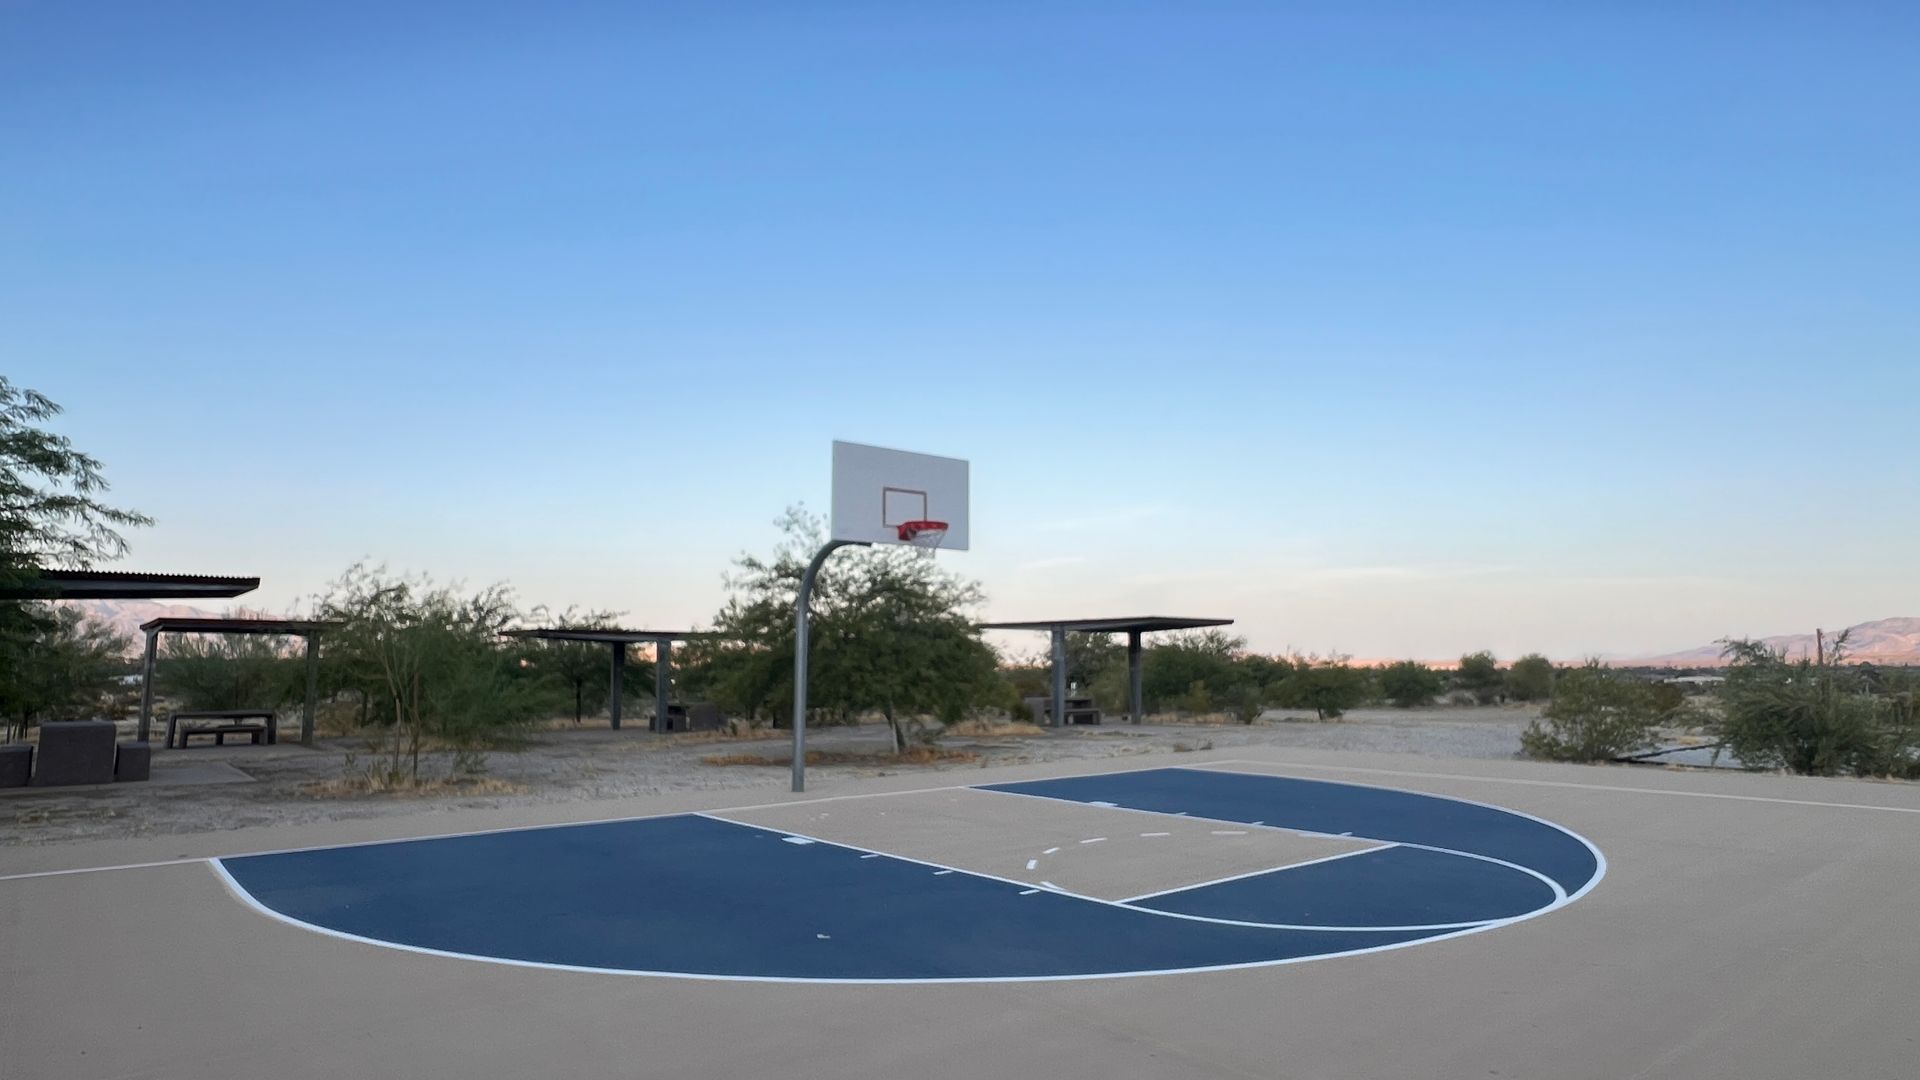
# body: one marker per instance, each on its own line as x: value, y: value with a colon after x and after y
x: 1821, y: 718
x: 1595, y: 715
x: 1410, y: 683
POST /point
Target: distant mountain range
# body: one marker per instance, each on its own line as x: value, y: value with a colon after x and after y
x: 126, y: 616
x: 1883, y: 641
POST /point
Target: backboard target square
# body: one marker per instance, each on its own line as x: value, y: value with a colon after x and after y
x: 876, y: 490
x: 901, y: 505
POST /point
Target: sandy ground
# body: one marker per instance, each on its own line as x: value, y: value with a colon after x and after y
x: 214, y: 788
x: 1750, y: 927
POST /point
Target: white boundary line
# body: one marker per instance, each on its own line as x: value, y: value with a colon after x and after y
x: 1559, y: 894
x: 240, y: 892
x: 1599, y: 860
x: 1257, y: 873
x: 1198, y: 766
x: 1560, y: 898
x: 101, y: 869
x: 1204, y: 765
x: 189, y: 860
x: 247, y: 898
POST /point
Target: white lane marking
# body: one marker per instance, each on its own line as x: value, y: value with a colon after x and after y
x: 101, y: 869
x: 1031, y: 863
x: 188, y: 860
x: 823, y: 937
x: 796, y: 840
x: 1208, y: 765
x: 1051, y: 885
x: 1259, y: 823
x: 1098, y: 803
x: 1198, y: 766
x: 1050, y: 851
x: 1029, y: 892
x: 1156, y: 834
x: 869, y: 856
x: 1176, y: 914
x: 1560, y: 894
x: 1093, y: 840
x: 247, y: 898
x: 1229, y: 832
x: 937, y: 873
x: 1255, y: 873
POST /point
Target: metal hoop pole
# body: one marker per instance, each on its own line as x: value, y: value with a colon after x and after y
x: 801, y: 614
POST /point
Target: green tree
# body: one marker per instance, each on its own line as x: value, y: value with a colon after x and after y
x: 1479, y: 675
x: 50, y: 515
x: 1821, y: 718
x: 1530, y: 678
x: 228, y: 671
x: 1329, y: 687
x: 901, y: 642
x: 1595, y: 715
x: 1409, y: 683
x: 1092, y: 656
x: 1172, y: 667
x: 431, y: 663
x: 891, y: 633
x: 66, y: 669
x: 583, y: 670
x: 50, y: 511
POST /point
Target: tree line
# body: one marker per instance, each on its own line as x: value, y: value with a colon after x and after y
x: 426, y: 665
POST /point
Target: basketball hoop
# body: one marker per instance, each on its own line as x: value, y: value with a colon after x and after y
x: 925, y: 536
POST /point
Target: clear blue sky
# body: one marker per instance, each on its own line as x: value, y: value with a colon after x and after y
x: 1398, y: 329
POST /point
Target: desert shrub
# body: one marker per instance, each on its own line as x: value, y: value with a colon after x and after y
x: 1245, y: 700
x: 1329, y: 687
x: 1595, y: 715
x: 1530, y: 678
x: 61, y: 667
x: 431, y: 665
x: 1171, y: 668
x: 1479, y: 674
x: 1409, y: 683
x: 1821, y: 718
x: 1197, y: 699
x: 229, y: 671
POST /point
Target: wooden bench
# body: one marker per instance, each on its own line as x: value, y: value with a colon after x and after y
x: 224, y: 722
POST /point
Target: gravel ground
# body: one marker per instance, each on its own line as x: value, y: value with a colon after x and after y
x: 210, y: 789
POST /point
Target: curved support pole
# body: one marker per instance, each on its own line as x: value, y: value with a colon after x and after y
x: 801, y: 613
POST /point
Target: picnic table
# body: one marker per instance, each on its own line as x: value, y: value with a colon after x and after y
x: 222, y: 723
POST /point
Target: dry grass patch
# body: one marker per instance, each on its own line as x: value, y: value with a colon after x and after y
x: 373, y: 783
x: 1211, y: 719
x: 988, y: 729
x: 695, y: 738
x: 912, y: 755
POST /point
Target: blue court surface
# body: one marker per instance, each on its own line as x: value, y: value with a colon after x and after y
x: 697, y: 896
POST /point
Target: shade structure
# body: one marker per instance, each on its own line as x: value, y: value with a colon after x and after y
x: 1131, y: 625
x: 618, y: 638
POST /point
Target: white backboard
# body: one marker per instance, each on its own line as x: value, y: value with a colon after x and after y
x: 876, y: 489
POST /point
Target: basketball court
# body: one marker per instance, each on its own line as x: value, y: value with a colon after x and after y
x: 1254, y: 913
x: 1199, y: 916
